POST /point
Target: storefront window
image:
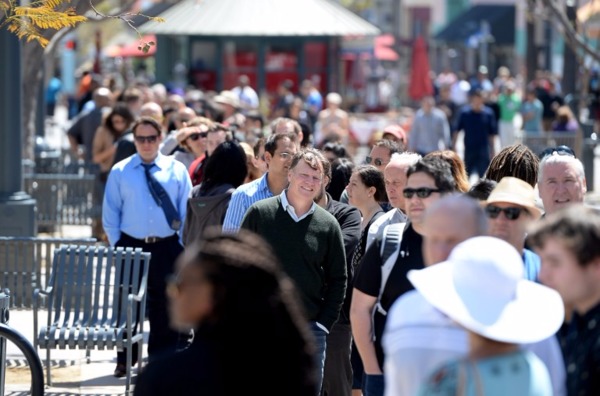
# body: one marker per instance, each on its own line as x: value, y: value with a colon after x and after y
x: 204, y: 65
x: 315, y: 64
x: 281, y: 63
x: 239, y: 58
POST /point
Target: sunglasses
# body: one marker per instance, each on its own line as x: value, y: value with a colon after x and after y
x: 422, y: 192
x: 510, y: 213
x: 196, y: 136
x: 146, y: 139
x: 377, y: 161
x: 559, y: 150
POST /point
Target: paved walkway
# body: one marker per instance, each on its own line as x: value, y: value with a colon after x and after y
x: 71, y: 375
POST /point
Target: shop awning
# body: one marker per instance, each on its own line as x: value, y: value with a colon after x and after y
x: 260, y: 18
x: 467, y: 26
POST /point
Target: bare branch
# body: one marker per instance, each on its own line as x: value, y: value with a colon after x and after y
x: 127, y: 18
x: 574, y: 39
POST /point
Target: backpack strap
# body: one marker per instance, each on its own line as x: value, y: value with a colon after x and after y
x: 390, y: 249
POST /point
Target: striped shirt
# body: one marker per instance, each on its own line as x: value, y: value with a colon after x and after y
x: 241, y: 199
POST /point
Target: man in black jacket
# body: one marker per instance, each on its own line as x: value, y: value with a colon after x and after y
x: 337, y: 377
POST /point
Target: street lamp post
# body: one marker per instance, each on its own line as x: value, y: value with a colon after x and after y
x: 17, y: 209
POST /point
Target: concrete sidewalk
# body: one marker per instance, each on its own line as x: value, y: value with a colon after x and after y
x: 71, y: 374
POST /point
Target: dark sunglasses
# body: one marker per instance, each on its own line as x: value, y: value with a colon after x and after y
x: 511, y: 213
x: 149, y: 139
x: 377, y: 161
x: 559, y: 150
x: 422, y: 192
x: 196, y: 136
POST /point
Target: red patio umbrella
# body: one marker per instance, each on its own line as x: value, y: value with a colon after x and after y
x: 420, y: 83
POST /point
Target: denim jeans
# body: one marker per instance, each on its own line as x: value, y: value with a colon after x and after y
x: 373, y: 385
x: 321, y: 345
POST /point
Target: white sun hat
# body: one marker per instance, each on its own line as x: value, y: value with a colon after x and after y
x: 481, y: 287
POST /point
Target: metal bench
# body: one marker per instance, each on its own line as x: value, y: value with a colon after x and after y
x: 25, y: 265
x: 96, y: 300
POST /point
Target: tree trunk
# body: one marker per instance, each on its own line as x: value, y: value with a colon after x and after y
x: 32, y: 80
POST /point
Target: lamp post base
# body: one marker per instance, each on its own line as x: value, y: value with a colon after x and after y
x: 17, y: 216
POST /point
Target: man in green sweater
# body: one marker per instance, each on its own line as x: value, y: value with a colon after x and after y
x: 308, y: 241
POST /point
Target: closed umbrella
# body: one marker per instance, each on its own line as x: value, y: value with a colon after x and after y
x: 420, y: 83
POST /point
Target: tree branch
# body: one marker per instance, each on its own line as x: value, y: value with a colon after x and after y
x: 574, y: 39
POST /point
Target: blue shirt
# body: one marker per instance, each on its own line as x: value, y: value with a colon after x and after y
x: 241, y: 199
x: 478, y: 127
x: 517, y: 373
x: 533, y: 264
x: 535, y: 109
x: 128, y: 205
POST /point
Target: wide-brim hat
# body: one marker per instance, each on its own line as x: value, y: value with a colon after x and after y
x: 229, y: 98
x: 481, y: 287
x: 515, y: 191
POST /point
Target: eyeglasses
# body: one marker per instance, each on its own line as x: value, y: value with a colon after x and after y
x: 512, y: 213
x: 422, y: 192
x: 146, y: 139
x: 196, y: 136
x: 376, y: 161
x: 559, y: 150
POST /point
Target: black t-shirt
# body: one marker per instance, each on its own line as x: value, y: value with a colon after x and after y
x: 368, y: 277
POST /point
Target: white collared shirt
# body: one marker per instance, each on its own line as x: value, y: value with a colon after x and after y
x: 290, y: 209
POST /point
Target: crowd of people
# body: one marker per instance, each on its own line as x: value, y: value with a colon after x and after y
x: 390, y: 275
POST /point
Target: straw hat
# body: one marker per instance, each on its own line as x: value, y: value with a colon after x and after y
x: 481, y: 287
x: 228, y: 98
x: 515, y: 191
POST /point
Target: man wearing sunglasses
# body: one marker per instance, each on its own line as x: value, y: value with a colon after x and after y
x: 511, y: 210
x: 144, y: 202
x: 427, y: 181
x: 382, y: 152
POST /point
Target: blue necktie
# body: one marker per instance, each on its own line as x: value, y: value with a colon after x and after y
x: 162, y: 199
